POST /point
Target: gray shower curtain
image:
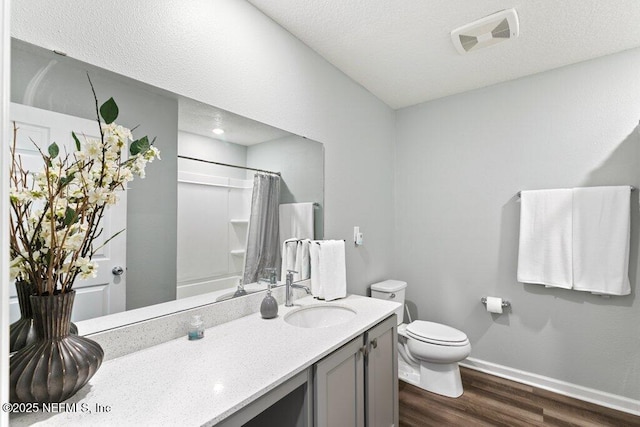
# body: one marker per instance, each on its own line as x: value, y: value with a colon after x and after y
x: 263, y: 249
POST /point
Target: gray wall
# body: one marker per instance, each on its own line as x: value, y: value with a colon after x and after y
x: 151, y: 203
x: 462, y: 159
x: 300, y: 162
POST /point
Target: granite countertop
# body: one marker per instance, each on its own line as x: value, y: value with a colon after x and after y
x: 184, y: 382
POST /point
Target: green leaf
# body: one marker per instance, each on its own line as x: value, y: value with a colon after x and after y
x: 109, y: 111
x: 75, y: 138
x: 47, y: 257
x: 139, y: 146
x: 70, y: 216
x: 53, y: 150
x: 67, y: 179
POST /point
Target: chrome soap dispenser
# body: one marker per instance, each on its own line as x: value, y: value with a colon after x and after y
x: 240, y: 291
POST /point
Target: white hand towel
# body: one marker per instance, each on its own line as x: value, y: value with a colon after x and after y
x: 303, y: 260
x: 316, y: 282
x: 545, y: 250
x: 299, y: 261
x: 289, y: 248
x: 601, y: 228
x: 333, y: 271
x: 296, y: 221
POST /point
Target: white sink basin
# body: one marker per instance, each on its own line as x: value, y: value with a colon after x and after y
x: 319, y: 316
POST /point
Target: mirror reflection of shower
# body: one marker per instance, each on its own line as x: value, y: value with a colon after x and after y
x: 228, y: 200
x: 214, y: 205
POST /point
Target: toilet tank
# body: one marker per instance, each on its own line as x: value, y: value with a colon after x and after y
x: 391, y: 290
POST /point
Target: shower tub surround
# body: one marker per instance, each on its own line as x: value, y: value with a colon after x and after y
x: 182, y: 382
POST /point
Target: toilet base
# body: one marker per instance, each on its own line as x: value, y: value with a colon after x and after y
x: 440, y: 378
x: 408, y: 373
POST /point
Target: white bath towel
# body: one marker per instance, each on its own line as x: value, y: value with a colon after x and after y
x: 289, y: 250
x: 296, y: 221
x: 316, y: 282
x: 333, y: 271
x: 545, y: 250
x: 601, y: 229
x: 303, y: 260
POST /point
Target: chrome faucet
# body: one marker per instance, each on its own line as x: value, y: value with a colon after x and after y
x: 288, y: 291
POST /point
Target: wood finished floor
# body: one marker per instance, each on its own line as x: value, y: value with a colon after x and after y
x: 494, y: 401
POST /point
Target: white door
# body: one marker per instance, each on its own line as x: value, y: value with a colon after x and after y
x: 107, y: 292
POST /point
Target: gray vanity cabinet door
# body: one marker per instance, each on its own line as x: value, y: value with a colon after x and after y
x: 339, y: 387
x: 382, y: 374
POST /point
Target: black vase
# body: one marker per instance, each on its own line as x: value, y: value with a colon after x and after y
x: 23, y: 331
x: 70, y: 360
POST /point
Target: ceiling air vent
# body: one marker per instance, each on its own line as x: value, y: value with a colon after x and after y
x: 492, y: 29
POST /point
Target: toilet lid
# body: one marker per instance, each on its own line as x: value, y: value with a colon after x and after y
x: 436, y: 333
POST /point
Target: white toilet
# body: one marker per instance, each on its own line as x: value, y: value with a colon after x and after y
x: 428, y: 352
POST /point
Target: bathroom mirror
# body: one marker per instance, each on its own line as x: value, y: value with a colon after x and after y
x: 187, y: 221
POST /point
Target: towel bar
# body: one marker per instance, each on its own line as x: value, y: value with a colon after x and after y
x: 317, y: 243
x: 505, y: 303
x: 519, y: 193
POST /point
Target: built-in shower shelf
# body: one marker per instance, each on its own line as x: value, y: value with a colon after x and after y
x: 239, y: 221
x: 238, y: 252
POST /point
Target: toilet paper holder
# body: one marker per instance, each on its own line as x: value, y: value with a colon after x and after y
x: 505, y: 303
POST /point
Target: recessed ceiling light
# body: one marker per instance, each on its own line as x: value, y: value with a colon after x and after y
x: 218, y: 131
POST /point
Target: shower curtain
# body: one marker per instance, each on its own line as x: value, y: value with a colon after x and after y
x: 263, y: 249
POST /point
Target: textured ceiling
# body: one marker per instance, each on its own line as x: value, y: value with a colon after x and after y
x: 401, y: 51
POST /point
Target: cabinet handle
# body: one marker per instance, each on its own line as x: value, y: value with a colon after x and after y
x: 374, y: 343
x: 364, y: 350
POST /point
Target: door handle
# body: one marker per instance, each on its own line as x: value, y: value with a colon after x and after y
x: 117, y: 270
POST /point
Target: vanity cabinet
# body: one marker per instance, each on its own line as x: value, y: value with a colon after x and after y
x: 381, y: 374
x: 339, y: 387
x: 357, y: 385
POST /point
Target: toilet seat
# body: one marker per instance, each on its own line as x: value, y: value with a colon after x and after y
x: 436, y: 333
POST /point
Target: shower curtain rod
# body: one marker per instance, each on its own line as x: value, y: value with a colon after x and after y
x: 226, y: 164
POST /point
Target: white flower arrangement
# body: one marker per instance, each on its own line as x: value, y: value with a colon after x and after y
x: 56, y: 212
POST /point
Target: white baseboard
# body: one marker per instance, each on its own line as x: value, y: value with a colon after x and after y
x: 601, y: 398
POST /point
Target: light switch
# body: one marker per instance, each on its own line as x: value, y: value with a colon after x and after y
x: 357, y: 236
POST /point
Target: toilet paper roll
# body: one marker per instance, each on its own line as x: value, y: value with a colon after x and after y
x: 494, y: 305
